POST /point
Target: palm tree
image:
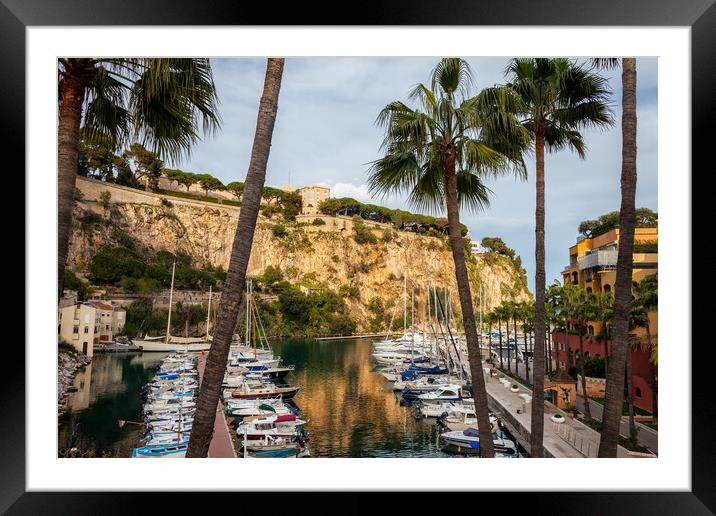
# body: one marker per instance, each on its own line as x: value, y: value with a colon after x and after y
x: 156, y: 101
x: 603, y: 304
x: 553, y: 315
x: 499, y: 317
x: 614, y: 390
x: 439, y: 154
x: 236, y: 274
x: 527, y: 316
x: 646, y: 298
x: 580, y: 311
x: 507, y: 310
x: 562, y: 98
x: 489, y: 319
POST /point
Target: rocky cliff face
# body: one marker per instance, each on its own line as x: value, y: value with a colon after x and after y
x: 310, y: 255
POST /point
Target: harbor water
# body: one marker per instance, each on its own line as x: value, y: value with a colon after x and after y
x: 352, y: 412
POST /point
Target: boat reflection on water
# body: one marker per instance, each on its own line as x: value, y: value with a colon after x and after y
x: 352, y: 412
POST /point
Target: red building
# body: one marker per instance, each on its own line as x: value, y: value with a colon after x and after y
x: 566, y: 352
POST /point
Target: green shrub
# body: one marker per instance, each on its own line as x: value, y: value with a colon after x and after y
x: 319, y: 222
x: 72, y: 282
x: 651, y: 246
x: 279, y: 231
x: 362, y: 234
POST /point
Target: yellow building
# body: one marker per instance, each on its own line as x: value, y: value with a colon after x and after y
x: 85, y: 324
x: 311, y: 198
x: 593, y: 262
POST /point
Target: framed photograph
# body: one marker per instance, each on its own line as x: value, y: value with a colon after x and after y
x: 269, y: 232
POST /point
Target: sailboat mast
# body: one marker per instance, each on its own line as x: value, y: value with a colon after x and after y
x: 412, y: 323
x: 171, y: 297
x: 405, y: 303
x: 208, y: 312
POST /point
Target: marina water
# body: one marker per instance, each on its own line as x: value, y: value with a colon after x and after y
x: 351, y: 410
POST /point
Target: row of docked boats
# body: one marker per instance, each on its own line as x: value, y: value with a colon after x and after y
x: 429, y: 371
x: 260, y: 405
x: 256, y: 399
x: 169, y: 406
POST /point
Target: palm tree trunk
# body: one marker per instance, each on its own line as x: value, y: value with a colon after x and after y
x: 499, y: 330
x: 537, y: 423
x: 489, y: 329
x: 606, y: 348
x: 630, y: 394
x: 68, y: 137
x: 524, y: 355
x: 585, y: 398
x: 509, y: 353
x: 622, y: 286
x: 463, y: 287
x: 654, y: 399
x: 236, y: 275
x: 550, y: 351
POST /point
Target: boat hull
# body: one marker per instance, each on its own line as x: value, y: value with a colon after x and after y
x: 154, y: 346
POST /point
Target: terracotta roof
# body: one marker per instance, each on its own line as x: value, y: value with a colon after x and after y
x: 101, y: 305
x: 562, y: 377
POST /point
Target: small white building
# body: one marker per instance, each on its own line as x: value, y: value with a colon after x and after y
x: 476, y: 247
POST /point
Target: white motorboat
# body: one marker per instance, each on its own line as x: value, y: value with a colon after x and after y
x: 468, y: 442
x: 285, y: 426
x: 160, y: 451
x: 445, y: 393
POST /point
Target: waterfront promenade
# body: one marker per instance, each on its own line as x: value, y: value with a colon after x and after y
x: 221, y: 445
x: 570, y: 439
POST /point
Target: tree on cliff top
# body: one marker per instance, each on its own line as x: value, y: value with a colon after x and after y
x: 156, y: 101
x: 439, y: 154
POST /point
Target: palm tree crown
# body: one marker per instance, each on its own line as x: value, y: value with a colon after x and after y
x: 561, y: 98
x: 156, y: 101
x: 449, y: 133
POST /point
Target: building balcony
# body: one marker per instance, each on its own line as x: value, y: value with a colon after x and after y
x: 606, y: 259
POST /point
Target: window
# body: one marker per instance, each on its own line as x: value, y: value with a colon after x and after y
x: 607, y: 288
x: 86, y: 329
x: 637, y: 392
x: 76, y: 329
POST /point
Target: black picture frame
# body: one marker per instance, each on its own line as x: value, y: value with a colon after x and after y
x: 700, y: 15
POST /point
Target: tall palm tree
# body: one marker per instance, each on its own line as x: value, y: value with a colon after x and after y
x: 603, y: 304
x: 236, y: 274
x: 158, y: 102
x: 489, y: 319
x: 499, y: 312
x: 439, y: 154
x: 553, y: 315
x: 614, y: 390
x: 580, y: 311
x: 562, y: 98
x: 507, y: 308
x: 526, y: 314
x: 646, y: 298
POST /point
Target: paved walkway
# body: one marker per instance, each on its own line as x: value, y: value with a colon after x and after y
x: 571, y: 439
x: 648, y: 437
x: 221, y: 445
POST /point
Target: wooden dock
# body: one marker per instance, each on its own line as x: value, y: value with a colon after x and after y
x: 221, y: 445
x: 354, y: 336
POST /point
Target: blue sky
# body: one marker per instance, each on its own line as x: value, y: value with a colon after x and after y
x: 325, y: 134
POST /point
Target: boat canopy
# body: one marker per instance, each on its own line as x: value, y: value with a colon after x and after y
x: 472, y: 432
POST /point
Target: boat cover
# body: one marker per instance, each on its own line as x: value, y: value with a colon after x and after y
x: 472, y: 432
x: 286, y: 417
